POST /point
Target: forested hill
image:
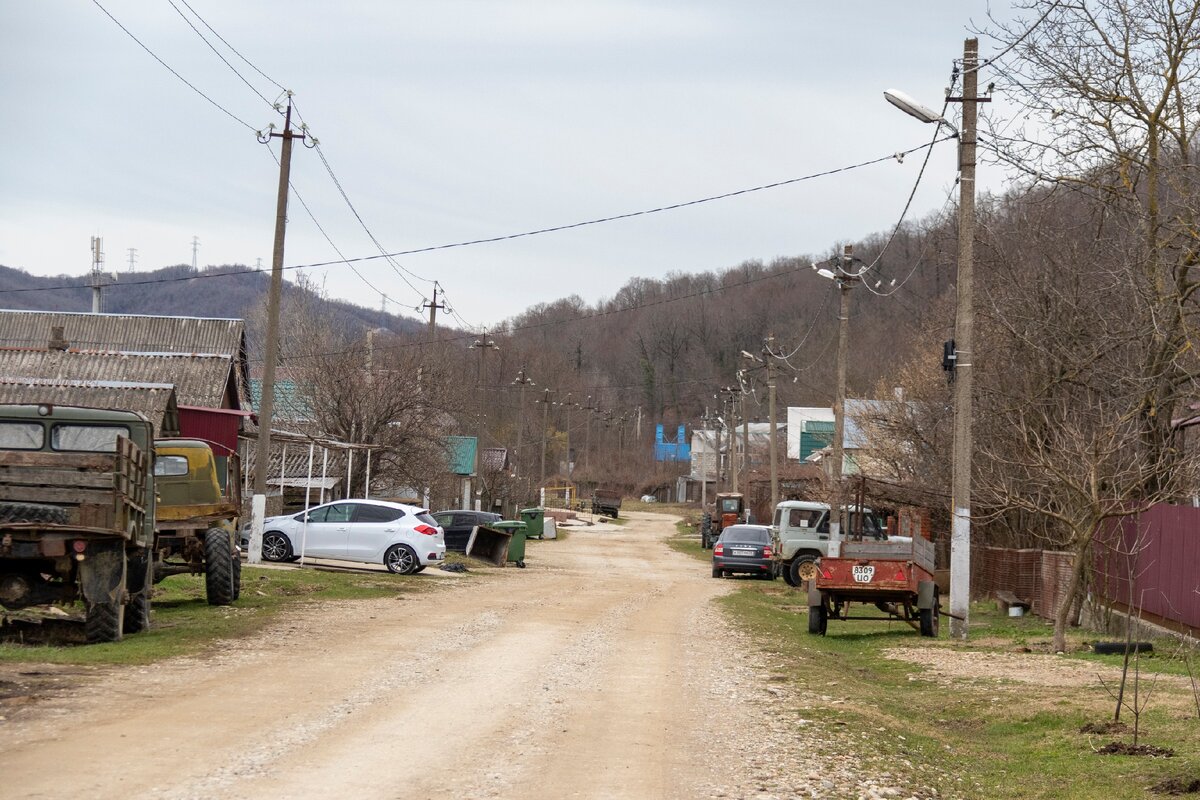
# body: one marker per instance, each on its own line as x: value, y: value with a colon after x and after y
x: 231, y: 291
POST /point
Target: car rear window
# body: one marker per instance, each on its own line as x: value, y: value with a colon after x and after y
x: 428, y: 519
x: 754, y: 535
x: 366, y: 513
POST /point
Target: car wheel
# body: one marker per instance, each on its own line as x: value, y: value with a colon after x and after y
x: 421, y: 568
x: 276, y: 546
x: 401, y: 559
x: 716, y: 572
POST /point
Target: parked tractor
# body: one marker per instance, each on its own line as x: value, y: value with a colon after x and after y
x: 729, y: 508
x: 197, y: 524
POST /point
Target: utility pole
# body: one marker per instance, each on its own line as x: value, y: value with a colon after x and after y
x: 97, y: 276
x: 433, y: 309
x: 746, y: 447
x: 844, y: 280
x: 195, y: 252
x: 266, y: 409
x: 523, y: 381
x: 770, y: 361
x: 482, y: 344
x: 133, y: 259
x: 733, y: 467
x: 545, y: 401
x: 964, y: 324
x: 587, y: 435
x: 568, y: 405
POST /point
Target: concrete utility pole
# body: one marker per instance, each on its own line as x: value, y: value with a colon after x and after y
x: 770, y: 361
x: 845, y: 280
x: 523, y: 381
x: 482, y: 344
x: 733, y: 465
x: 433, y: 309
x: 746, y: 447
x: 587, y: 433
x: 567, y: 404
x: 545, y: 401
x: 97, y: 276
x: 964, y: 324
x: 266, y: 410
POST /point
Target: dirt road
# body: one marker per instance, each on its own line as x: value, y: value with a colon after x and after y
x: 604, y: 670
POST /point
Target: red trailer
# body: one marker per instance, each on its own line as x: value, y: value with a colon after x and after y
x: 895, y: 575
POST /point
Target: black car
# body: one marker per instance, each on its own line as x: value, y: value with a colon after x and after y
x: 744, y: 548
x: 457, y: 525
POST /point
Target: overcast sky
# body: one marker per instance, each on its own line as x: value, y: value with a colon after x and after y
x: 459, y: 120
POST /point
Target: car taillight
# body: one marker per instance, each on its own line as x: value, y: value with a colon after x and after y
x: 425, y: 529
x: 767, y: 551
x: 718, y: 549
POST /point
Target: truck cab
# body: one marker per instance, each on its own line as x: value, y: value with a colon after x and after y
x: 801, y: 533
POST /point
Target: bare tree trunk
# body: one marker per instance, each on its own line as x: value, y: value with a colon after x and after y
x: 1063, y: 614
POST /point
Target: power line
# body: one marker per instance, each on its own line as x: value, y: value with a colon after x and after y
x: 234, y: 50
x: 215, y: 51
x: 168, y: 67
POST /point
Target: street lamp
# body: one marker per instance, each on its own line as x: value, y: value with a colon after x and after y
x: 964, y: 323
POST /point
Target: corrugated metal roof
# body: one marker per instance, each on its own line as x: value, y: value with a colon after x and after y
x: 156, y: 402
x: 131, y: 333
x: 199, y: 380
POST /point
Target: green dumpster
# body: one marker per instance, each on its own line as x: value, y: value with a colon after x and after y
x: 535, y: 520
x: 516, y: 547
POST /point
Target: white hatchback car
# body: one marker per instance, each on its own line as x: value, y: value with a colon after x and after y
x: 403, y: 538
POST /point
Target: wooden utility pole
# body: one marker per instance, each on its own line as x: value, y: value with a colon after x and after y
x: 482, y: 344
x: 545, y: 401
x: 770, y: 361
x: 523, y: 381
x: 844, y: 280
x: 433, y: 309
x: 964, y: 324
x: 266, y: 409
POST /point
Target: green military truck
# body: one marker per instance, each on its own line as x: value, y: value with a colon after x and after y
x: 77, y: 514
x: 197, y: 522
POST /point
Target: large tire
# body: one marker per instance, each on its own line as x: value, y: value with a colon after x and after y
x: 218, y: 567
x: 929, y: 618
x: 401, y: 559
x: 705, y: 532
x: 139, y: 582
x: 34, y: 512
x: 818, y: 620
x: 237, y: 576
x: 104, y: 622
x: 276, y: 546
x: 802, y: 568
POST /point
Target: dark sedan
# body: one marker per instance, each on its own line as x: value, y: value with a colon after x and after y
x: 458, y: 524
x: 744, y: 548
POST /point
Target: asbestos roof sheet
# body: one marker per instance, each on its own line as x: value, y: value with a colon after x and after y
x: 199, y: 380
x: 156, y: 402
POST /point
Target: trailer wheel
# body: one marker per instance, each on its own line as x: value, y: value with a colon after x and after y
x: 929, y: 618
x: 218, y: 567
x: 818, y: 620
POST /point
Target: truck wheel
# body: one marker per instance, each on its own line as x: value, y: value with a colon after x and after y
x: 705, y: 531
x: 104, y: 622
x: 818, y: 620
x: 929, y: 618
x: 237, y: 576
x: 33, y: 512
x: 802, y: 568
x: 138, y: 582
x: 218, y: 567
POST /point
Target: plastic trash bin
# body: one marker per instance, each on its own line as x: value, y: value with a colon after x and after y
x: 516, y: 546
x: 535, y: 520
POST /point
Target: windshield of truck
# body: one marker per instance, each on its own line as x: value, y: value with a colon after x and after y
x: 170, y: 465
x: 730, y: 505
x: 22, y: 436
x: 87, y: 438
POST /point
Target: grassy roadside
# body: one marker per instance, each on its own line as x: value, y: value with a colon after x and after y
x: 183, y: 623
x: 963, y: 714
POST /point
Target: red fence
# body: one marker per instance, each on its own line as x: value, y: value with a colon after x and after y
x: 1038, y: 576
x: 1152, y: 561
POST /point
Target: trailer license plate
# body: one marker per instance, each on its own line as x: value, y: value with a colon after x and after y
x: 863, y: 574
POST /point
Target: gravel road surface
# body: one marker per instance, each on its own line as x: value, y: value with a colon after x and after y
x: 604, y: 670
